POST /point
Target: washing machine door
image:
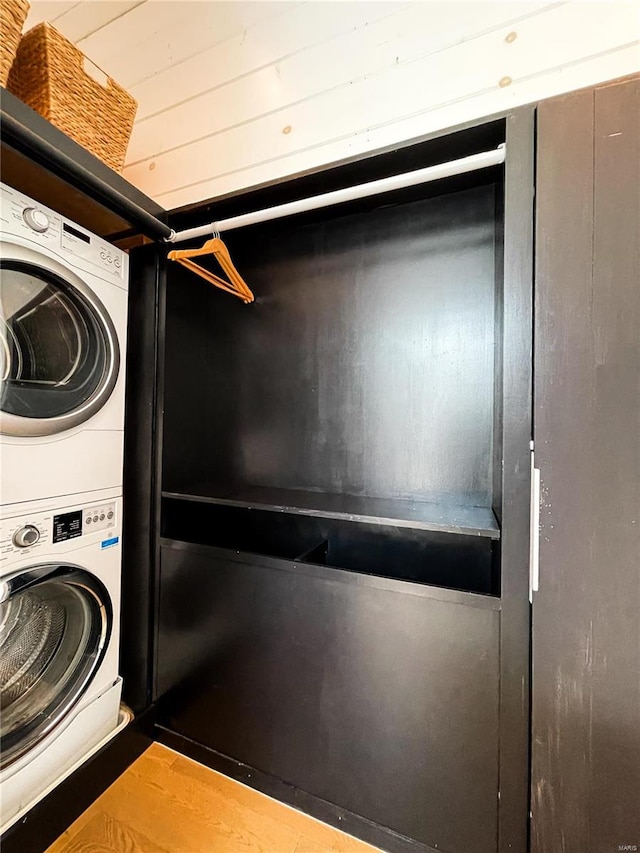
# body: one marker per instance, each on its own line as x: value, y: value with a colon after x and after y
x: 59, y: 355
x: 55, y: 624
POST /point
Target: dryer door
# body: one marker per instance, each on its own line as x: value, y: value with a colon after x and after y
x: 59, y: 355
x: 55, y: 624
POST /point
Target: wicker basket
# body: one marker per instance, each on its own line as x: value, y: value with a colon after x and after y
x: 49, y: 75
x: 12, y: 17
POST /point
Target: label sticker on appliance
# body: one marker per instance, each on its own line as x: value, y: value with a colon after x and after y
x: 107, y: 543
x: 67, y: 526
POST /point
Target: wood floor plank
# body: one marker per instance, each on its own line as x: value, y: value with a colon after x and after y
x: 166, y: 803
x: 245, y: 797
x: 102, y: 834
x: 62, y: 843
x: 156, y: 756
x: 161, y: 754
x: 341, y: 843
x: 153, y: 761
x: 191, y: 815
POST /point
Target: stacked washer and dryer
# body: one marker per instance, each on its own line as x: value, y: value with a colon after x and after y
x: 63, y: 322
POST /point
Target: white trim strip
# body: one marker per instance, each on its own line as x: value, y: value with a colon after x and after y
x: 534, y: 532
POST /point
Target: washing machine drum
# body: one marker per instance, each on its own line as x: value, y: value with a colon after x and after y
x: 59, y: 355
x: 55, y: 624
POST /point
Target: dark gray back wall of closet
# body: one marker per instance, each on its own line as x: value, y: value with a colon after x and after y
x: 364, y: 367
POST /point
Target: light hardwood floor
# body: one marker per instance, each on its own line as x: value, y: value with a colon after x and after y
x: 166, y: 803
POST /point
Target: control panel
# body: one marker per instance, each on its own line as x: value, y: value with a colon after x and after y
x: 23, y: 217
x: 44, y: 530
x: 99, y: 517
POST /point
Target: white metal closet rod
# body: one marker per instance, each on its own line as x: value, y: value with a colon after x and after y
x: 396, y: 182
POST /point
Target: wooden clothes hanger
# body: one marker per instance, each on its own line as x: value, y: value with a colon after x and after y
x: 236, y: 284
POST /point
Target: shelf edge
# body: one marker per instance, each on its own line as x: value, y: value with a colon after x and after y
x: 492, y: 533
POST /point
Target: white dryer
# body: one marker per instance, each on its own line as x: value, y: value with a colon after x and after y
x: 63, y: 326
x: 60, y: 566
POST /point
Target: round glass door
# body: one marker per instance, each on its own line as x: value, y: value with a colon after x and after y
x: 58, y: 350
x: 55, y: 623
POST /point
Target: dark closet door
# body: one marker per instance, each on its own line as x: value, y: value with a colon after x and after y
x: 586, y: 622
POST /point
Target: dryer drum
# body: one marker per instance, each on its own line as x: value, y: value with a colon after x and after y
x: 59, y: 353
x: 55, y: 623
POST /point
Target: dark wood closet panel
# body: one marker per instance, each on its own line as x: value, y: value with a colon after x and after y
x: 586, y: 630
x: 347, y: 686
x: 343, y: 575
x: 141, y: 475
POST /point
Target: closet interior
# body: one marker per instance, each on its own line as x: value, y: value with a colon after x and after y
x: 332, y: 573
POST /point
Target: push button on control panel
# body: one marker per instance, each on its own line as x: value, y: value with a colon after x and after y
x: 99, y: 518
x: 111, y: 262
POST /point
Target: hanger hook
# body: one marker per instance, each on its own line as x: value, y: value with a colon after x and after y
x: 215, y: 233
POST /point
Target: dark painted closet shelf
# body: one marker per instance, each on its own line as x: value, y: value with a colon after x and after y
x: 417, y: 515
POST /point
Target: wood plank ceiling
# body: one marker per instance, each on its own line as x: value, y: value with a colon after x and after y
x: 232, y: 94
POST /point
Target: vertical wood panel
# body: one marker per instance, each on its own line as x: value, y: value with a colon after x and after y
x: 563, y: 395
x: 586, y: 643
x: 614, y: 645
x: 137, y: 618
x: 516, y: 437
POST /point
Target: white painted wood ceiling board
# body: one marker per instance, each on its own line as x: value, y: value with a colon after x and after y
x: 606, y: 67
x: 76, y: 20
x: 550, y: 41
x: 297, y: 28
x: 388, y: 43
x: 47, y: 10
x: 88, y: 17
x: 161, y: 33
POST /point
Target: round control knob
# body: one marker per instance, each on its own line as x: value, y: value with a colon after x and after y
x: 35, y: 219
x: 26, y: 536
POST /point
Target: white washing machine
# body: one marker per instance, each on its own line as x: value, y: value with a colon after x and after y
x: 60, y: 566
x: 63, y: 326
